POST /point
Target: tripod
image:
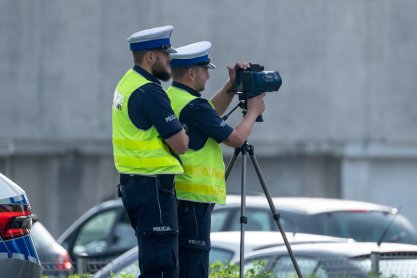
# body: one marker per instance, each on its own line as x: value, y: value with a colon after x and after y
x: 244, y: 151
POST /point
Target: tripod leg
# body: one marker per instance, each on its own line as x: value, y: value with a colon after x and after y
x: 275, y: 215
x: 243, y: 218
x: 232, y: 162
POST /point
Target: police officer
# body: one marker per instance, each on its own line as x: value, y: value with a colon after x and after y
x: 146, y: 138
x: 203, y: 183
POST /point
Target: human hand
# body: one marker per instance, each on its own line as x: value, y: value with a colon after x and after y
x: 256, y: 104
x: 232, y: 71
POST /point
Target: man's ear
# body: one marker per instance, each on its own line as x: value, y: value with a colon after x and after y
x: 150, y: 57
x: 191, y: 74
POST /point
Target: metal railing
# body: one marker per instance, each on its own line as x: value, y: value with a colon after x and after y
x: 377, y: 265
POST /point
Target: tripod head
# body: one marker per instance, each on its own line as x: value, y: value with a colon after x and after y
x: 242, y: 105
x: 243, y: 100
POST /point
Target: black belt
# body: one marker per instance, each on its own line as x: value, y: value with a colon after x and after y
x: 123, y: 181
x: 124, y: 177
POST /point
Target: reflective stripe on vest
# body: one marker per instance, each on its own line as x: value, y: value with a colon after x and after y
x: 203, y: 179
x: 137, y: 151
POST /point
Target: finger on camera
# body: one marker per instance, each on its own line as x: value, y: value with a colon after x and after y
x: 242, y: 65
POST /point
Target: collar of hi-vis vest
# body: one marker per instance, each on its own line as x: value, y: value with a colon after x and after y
x: 146, y: 74
x: 186, y: 88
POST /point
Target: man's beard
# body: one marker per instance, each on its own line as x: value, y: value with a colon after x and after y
x: 159, y: 71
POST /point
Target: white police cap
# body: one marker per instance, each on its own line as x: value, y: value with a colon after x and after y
x: 195, y: 54
x: 154, y: 38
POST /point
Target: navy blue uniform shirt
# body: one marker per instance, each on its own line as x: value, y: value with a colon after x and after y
x: 201, y: 120
x: 149, y: 106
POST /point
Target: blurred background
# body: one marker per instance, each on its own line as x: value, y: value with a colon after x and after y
x: 343, y: 125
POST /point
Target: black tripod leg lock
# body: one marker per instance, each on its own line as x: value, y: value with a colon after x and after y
x: 276, y: 216
x: 244, y: 220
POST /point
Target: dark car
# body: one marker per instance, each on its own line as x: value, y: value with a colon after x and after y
x: 349, y: 259
x: 360, y: 221
x: 102, y: 233
x: 54, y: 258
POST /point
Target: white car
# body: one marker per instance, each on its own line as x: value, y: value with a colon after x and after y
x: 361, y: 221
x: 349, y: 259
x: 18, y: 257
x: 225, y: 247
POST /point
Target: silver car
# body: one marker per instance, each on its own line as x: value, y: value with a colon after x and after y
x: 361, y: 221
x: 224, y: 247
x: 349, y: 259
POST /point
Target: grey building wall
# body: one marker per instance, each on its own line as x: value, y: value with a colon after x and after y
x: 344, y: 123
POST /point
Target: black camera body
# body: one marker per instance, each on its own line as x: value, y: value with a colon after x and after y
x: 254, y: 81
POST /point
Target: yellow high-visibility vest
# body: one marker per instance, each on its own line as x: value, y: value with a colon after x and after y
x: 137, y: 151
x: 203, y: 179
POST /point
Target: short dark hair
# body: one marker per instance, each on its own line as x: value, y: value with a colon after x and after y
x: 178, y: 73
x: 138, y: 56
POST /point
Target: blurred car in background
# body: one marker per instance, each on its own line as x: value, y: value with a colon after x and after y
x: 54, y: 258
x: 349, y: 259
x: 18, y: 257
x: 225, y: 247
x: 125, y: 264
x: 361, y: 221
x: 103, y: 233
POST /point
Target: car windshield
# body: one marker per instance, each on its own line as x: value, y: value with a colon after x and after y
x: 129, y: 270
x: 309, y: 267
x: 132, y: 268
x: 259, y: 219
x: 281, y: 266
x: 220, y: 255
x: 365, y: 226
x: 95, y: 234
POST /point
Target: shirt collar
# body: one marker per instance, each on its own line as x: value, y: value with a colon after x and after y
x: 146, y: 74
x: 186, y: 88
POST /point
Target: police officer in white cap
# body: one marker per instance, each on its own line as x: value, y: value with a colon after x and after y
x: 146, y: 140
x: 203, y: 182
